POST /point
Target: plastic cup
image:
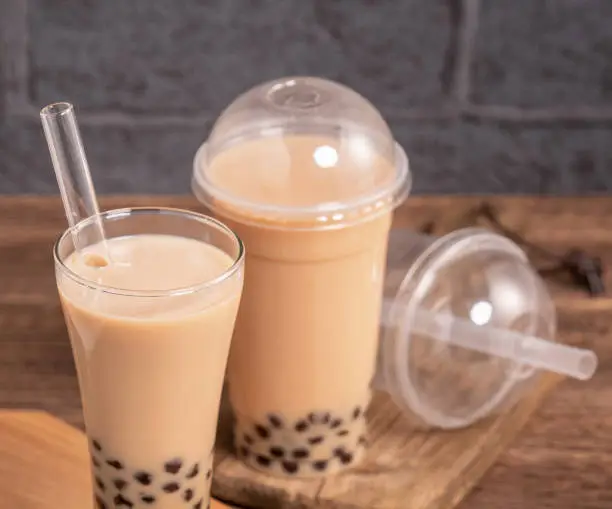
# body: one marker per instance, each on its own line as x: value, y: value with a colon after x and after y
x: 467, y: 326
x: 150, y: 352
x: 307, y: 172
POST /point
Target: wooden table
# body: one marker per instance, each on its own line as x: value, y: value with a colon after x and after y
x: 562, y: 460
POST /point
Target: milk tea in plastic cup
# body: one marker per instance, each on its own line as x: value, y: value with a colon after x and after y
x: 307, y: 172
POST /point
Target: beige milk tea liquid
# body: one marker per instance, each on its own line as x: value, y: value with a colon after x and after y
x: 306, y: 336
x: 150, y: 368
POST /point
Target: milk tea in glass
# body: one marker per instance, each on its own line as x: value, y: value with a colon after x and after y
x: 150, y: 331
x: 307, y: 173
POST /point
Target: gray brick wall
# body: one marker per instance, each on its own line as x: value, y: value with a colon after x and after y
x: 489, y: 96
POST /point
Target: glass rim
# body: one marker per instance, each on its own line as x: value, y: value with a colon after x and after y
x: 115, y: 214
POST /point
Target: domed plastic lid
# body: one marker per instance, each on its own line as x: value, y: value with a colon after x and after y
x: 468, y: 310
x: 304, y: 151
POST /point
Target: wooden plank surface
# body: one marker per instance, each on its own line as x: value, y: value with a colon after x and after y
x: 564, y: 457
x: 44, y: 463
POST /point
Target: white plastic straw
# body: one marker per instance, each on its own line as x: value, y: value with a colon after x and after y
x: 540, y: 353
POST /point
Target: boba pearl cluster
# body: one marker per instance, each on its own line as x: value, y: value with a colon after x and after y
x: 315, y: 444
x: 120, y: 486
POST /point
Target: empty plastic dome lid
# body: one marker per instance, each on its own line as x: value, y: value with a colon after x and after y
x: 469, y: 322
x: 302, y: 150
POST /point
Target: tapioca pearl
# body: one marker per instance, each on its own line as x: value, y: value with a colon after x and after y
x: 291, y: 467
x: 171, y: 487
x: 277, y: 452
x: 195, y: 470
x: 275, y: 421
x: 335, y: 423
x: 357, y: 412
x: 143, y: 478
x: 100, y: 503
x: 95, y: 462
x: 100, y: 484
x: 344, y: 456
x: 301, y: 453
x: 247, y: 439
x: 342, y: 433
x: 262, y: 431
x: 262, y: 460
x: 315, y: 440
x: 319, y: 465
x: 96, y: 445
x: 147, y: 499
x: 362, y: 440
x: 322, y: 418
x: 338, y: 451
x: 115, y: 464
x: 121, y: 501
x: 209, y: 474
x: 188, y: 495
x: 199, y: 504
x: 173, y: 466
x: 301, y: 426
x: 244, y: 451
x: 120, y: 484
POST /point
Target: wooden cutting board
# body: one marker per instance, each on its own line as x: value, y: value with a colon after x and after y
x: 44, y: 463
x: 403, y: 468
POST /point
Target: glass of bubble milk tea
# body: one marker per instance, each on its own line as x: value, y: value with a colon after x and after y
x: 150, y: 331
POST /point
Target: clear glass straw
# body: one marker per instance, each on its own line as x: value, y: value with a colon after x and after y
x: 72, y: 173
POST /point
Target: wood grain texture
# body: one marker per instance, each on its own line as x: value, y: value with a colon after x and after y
x: 44, y: 463
x: 563, y: 458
